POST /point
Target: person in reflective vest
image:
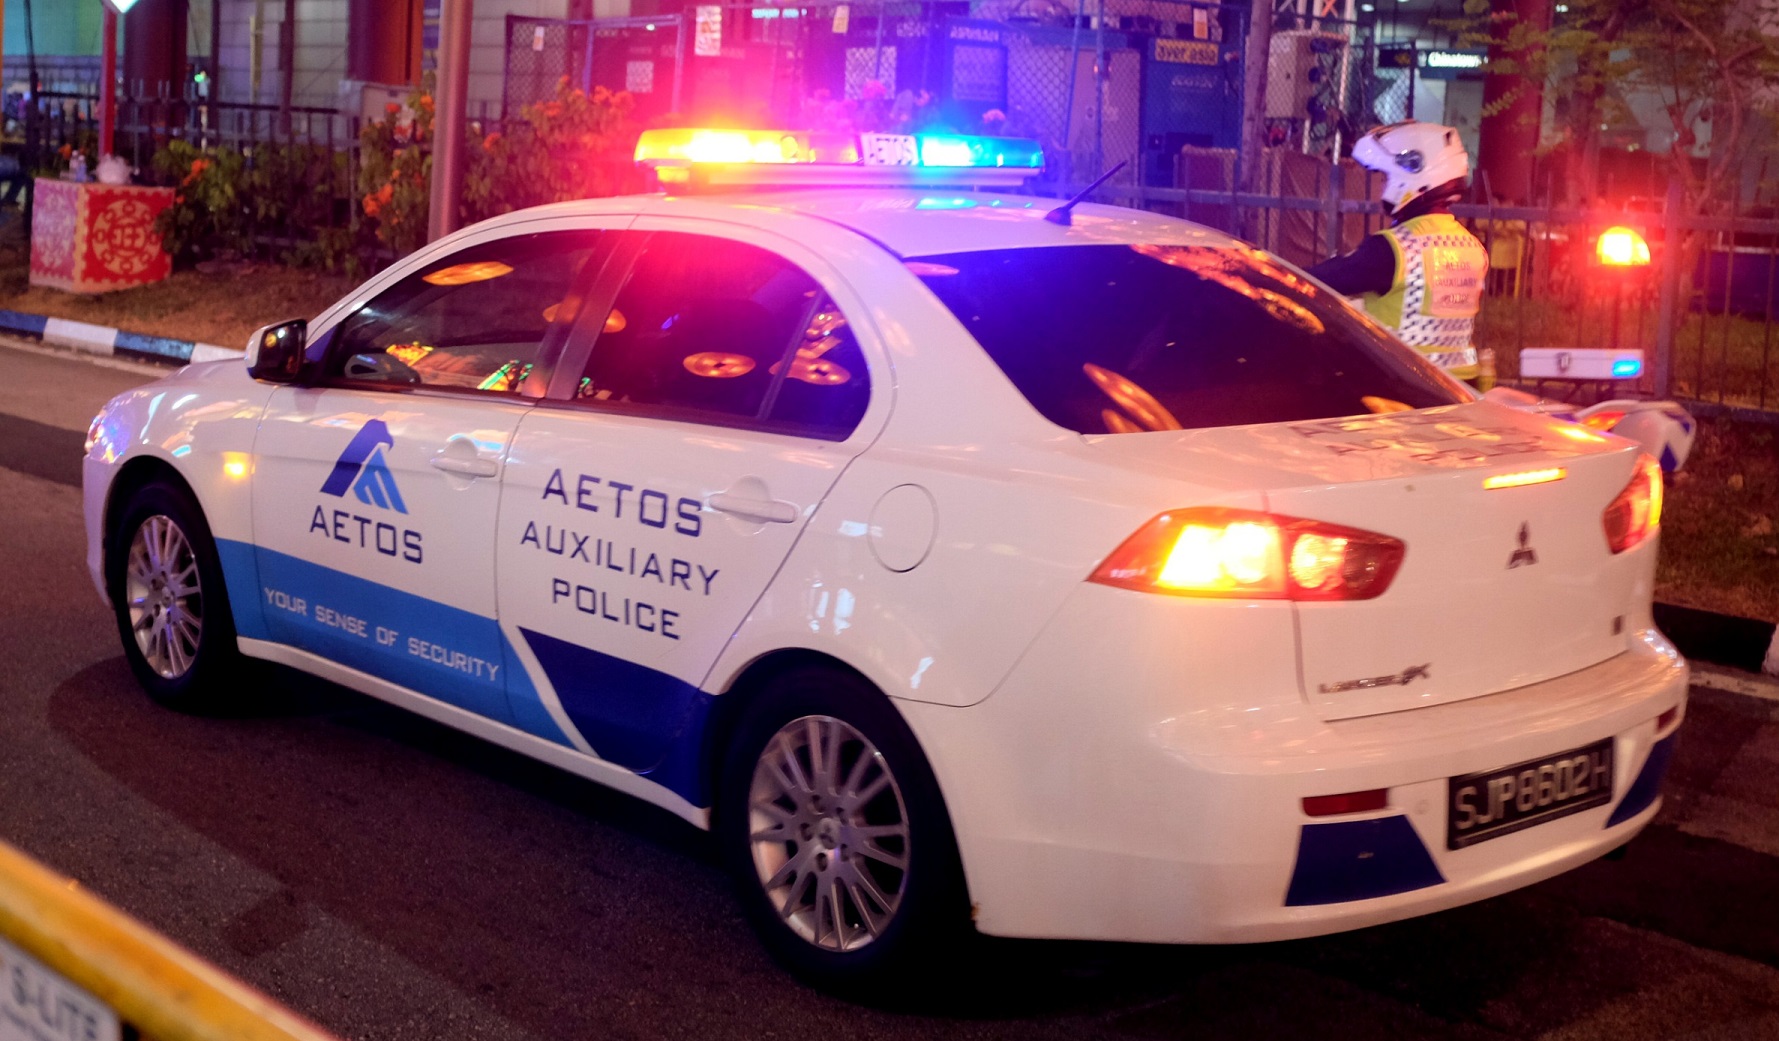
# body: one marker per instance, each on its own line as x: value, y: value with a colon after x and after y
x: 1422, y: 278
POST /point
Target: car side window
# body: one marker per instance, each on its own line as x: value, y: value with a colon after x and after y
x: 825, y: 388
x: 475, y: 320
x: 713, y: 330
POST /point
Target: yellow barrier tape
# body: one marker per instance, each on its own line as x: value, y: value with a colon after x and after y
x: 154, y: 985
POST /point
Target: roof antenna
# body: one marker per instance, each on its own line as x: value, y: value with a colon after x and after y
x: 1060, y: 215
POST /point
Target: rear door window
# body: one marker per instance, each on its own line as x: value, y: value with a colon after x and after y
x: 711, y: 330
x: 1125, y: 339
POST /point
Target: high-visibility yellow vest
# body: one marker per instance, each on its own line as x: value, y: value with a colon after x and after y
x: 1432, y: 304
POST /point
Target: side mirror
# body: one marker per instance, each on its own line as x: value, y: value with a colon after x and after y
x: 275, y: 353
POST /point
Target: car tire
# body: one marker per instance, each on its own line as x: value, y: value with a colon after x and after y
x: 168, y: 599
x: 849, y: 873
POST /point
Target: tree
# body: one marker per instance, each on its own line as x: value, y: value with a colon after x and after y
x: 1703, y: 63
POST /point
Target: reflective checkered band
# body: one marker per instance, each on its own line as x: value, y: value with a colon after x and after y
x: 1452, y: 359
x: 1423, y: 325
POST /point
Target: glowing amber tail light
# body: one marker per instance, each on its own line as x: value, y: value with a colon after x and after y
x: 1525, y: 477
x: 1216, y: 552
x: 1636, y: 513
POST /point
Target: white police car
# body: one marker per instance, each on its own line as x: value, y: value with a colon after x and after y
x: 1097, y: 577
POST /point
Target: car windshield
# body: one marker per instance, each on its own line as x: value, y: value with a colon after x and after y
x: 1110, y: 339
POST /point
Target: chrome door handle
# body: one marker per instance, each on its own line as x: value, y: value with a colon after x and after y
x: 466, y: 467
x: 776, y: 511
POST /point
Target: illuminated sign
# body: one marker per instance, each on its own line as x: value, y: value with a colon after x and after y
x: 707, y: 30
x: 1186, y: 52
x: 1396, y: 57
x: 1433, y: 64
x: 1454, y: 59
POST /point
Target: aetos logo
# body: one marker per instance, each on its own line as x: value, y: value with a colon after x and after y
x: 364, y: 470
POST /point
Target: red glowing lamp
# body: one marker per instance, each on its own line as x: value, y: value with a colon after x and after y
x: 1622, y: 247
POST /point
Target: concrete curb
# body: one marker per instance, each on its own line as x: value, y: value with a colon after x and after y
x: 109, y: 342
x: 1739, y: 643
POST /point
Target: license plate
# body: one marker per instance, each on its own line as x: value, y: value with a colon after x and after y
x: 38, y: 1004
x: 889, y: 149
x: 1499, y: 802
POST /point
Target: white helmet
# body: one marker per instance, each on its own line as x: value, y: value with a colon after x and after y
x: 1415, y: 159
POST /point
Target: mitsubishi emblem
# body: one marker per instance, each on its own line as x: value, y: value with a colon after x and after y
x: 1525, y: 554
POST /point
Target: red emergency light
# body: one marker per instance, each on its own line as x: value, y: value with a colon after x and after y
x: 1622, y: 247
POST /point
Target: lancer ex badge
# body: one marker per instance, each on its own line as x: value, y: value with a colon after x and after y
x: 1523, y: 555
x: 1400, y: 679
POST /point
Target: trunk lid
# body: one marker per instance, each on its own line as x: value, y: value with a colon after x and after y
x: 1498, y: 588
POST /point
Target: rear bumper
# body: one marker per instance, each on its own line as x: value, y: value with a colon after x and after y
x: 1107, y: 793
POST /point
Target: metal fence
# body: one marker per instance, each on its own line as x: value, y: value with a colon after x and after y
x: 642, y: 55
x: 1704, y: 310
x: 1159, y: 84
x: 301, y: 163
x: 53, y: 118
x: 1145, y: 80
x: 1097, y: 82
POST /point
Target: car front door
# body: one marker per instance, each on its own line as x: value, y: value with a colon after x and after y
x: 376, y: 490
x: 649, y: 503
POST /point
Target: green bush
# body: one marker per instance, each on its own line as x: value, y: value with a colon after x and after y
x: 227, y: 199
x: 574, y: 146
x: 395, y: 171
x: 207, y: 216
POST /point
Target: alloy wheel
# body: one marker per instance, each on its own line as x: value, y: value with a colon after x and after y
x: 164, y: 596
x: 829, y: 831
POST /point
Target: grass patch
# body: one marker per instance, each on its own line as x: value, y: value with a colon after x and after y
x: 1729, y: 359
x: 1719, y: 550
x: 1720, y: 524
x: 222, y: 307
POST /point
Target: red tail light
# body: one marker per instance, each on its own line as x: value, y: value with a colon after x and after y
x: 1603, y: 420
x: 1637, y: 512
x: 1210, y: 551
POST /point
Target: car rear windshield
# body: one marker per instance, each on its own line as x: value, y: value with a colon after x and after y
x: 1131, y: 338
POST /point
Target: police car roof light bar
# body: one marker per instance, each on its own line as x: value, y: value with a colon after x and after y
x: 689, y: 157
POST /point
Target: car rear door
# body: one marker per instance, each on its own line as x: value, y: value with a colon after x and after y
x: 375, y: 491
x: 722, y: 387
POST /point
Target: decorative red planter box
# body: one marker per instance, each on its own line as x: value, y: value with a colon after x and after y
x: 88, y: 237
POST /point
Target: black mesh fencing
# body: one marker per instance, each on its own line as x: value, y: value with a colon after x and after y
x: 1321, y: 85
x: 1097, y: 82
x: 640, y: 56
